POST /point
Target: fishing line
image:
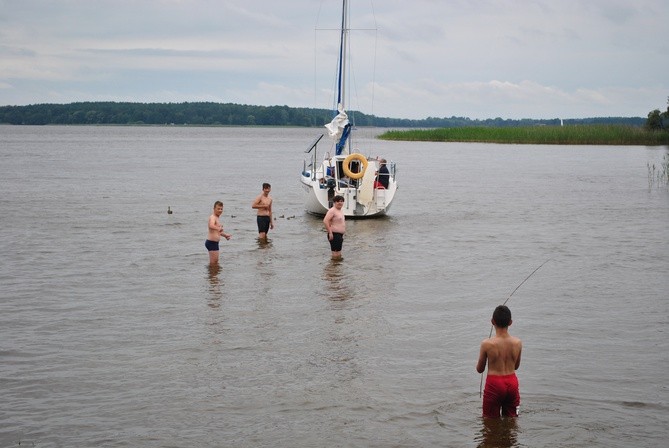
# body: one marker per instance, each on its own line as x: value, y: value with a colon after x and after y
x: 507, y: 299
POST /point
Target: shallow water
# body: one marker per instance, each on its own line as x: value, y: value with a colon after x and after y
x: 115, y: 331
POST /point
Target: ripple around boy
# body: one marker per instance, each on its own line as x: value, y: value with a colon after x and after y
x: 215, y: 233
x: 502, y: 353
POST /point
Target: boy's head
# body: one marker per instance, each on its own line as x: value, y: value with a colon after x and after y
x: 501, y: 317
x: 218, y: 208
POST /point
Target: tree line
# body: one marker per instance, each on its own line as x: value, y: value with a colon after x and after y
x: 228, y: 114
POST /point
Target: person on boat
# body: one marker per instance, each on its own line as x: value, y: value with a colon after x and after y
x: 215, y: 233
x: 335, y: 224
x: 384, y: 174
x: 502, y: 353
x: 263, y: 203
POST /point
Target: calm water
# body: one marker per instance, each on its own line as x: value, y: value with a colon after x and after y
x: 114, y: 331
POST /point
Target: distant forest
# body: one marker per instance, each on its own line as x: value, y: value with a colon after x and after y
x: 219, y: 114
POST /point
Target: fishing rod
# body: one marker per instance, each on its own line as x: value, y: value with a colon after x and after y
x: 507, y: 299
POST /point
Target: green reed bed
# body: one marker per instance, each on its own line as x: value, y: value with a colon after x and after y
x: 537, y: 135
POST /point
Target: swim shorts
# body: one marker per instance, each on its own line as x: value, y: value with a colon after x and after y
x: 211, y: 245
x: 263, y: 224
x: 501, y: 392
x: 336, y: 242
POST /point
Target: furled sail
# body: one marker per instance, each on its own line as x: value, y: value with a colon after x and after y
x: 339, y: 129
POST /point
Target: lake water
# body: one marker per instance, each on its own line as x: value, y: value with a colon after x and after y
x: 115, y: 332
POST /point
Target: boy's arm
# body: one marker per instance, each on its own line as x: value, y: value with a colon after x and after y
x: 483, y: 358
x: 256, y: 202
x: 520, y: 352
x: 212, y: 224
x: 227, y: 236
x: 327, y: 220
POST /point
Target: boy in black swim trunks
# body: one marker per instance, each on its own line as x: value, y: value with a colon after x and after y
x: 335, y: 224
x: 215, y: 233
x: 263, y: 203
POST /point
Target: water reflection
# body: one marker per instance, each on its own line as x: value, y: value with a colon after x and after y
x: 264, y: 243
x: 340, y: 330
x: 498, y: 433
x: 215, y: 293
x: 266, y: 273
x: 338, y: 285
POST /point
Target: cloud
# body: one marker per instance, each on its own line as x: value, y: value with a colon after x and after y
x: 505, y: 99
x: 527, y: 58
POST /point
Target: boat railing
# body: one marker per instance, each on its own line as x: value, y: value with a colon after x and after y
x: 393, y: 170
x: 311, y: 172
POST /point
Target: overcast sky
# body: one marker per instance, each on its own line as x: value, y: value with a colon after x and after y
x: 411, y: 58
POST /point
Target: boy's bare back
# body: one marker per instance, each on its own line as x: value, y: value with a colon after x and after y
x: 502, y: 353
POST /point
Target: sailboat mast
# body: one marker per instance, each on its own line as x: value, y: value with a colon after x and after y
x: 341, y: 87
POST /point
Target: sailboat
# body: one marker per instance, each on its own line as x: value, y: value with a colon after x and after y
x: 367, y: 184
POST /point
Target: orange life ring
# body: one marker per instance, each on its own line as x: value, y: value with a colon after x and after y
x: 347, y: 170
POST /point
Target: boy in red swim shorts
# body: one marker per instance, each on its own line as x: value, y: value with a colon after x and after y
x: 502, y: 354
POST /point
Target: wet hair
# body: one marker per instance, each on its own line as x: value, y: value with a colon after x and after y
x: 218, y: 203
x: 502, y: 316
x: 266, y: 185
x: 338, y: 198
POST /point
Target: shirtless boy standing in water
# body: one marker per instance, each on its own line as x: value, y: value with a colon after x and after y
x: 215, y: 233
x: 335, y: 224
x: 502, y: 353
x: 263, y: 203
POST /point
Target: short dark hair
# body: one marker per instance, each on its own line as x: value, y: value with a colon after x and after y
x: 266, y: 185
x: 218, y: 203
x: 502, y: 316
x: 338, y: 198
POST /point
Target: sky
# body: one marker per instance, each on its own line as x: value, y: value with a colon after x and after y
x: 413, y: 59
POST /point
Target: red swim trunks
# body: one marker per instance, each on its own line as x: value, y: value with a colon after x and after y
x: 501, y: 392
